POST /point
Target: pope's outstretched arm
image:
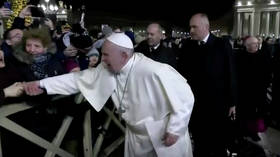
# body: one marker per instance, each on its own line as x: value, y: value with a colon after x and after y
x: 63, y: 84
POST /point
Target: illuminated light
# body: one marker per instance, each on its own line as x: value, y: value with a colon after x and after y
x: 43, y: 7
x: 272, y: 2
x: 249, y: 3
x: 51, y: 7
x: 239, y: 3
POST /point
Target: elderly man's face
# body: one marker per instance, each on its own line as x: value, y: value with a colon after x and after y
x: 34, y: 46
x: 2, y: 61
x: 154, y: 35
x: 252, y: 44
x: 112, y: 57
x: 198, y: 29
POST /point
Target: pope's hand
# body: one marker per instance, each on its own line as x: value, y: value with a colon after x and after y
x: 33, y: 88
x: 169, y: 139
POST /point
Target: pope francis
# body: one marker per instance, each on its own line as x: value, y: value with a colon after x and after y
x: 153, y: 98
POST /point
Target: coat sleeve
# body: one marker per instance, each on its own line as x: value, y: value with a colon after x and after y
x: 180, y: 99
x: 62, y: 84
x: 232, y: 75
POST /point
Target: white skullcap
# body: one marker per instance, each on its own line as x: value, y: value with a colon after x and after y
x: 66, y: 39
x: 93, y: 52
x: 121, y: 40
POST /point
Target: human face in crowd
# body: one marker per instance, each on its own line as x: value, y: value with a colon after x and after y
x: 199, y: 27
x: 93, y: 60
x: 14, y: 37
x: 112, y: 56
x: 154, y: 34
x: 252, y: 44
x: 70, y: 51
x: 34, y: 46
x: 2, y: 61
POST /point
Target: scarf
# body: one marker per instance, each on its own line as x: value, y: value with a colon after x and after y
x: 39, y: 66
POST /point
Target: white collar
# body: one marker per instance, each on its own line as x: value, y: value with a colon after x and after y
x: 206, y: 38
x: 126, y: 68
x: 155, y: 47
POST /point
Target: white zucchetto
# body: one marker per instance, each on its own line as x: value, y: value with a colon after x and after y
x: 121, y: 40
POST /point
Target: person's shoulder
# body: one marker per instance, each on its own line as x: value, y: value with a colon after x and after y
x: 143, y: 45
x: 219, y: 42
x: 146, y: 63
x: 147, y: 66
x: 217, y: 39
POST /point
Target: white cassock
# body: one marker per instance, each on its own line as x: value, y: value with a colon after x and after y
x: 156, y: 99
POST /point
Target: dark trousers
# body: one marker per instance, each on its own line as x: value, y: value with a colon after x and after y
x: 209, y: 137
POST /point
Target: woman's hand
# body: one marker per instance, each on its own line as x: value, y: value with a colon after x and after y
x: 14, y: 90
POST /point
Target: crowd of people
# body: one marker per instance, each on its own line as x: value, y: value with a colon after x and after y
x: 176, y: 97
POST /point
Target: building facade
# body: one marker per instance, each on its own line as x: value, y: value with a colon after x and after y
x: 257, y: 17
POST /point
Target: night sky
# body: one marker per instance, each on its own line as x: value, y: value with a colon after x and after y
x: 173, y: 11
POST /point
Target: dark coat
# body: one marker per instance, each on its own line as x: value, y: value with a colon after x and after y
x: 161, y: 54
x: 11, y: 73
x: 254, y: 76
x: 276, y: 84
x: 210, y: 71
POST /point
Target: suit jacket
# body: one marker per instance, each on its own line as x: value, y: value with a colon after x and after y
x: 161, y: 54
x: 210, y: 71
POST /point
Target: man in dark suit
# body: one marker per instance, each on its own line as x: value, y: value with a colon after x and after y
x: 207, y: 64
x: 153, y: 47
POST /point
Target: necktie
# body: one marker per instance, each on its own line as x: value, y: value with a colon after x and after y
x: 152, y: 49
x: 201, y: 42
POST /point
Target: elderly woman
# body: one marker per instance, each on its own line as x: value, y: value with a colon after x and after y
x: 37, y: 52
x: 37, y: 44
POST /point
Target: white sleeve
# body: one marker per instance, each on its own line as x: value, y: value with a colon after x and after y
x: 62, y: 84
x: 180, y: 98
